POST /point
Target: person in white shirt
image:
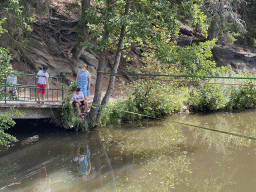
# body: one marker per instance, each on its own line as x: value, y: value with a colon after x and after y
x: 43, y: 83
x: 78, y: 99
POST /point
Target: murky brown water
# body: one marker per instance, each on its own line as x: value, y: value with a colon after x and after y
x: 144, y: 156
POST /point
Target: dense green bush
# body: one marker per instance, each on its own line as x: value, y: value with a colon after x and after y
x: 224, y: 93
x: 153, y: 98
x: 243, y: 97
x: 208, y: 97
x: 145, y: 99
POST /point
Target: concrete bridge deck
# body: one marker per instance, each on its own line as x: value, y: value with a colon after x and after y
x: 32, y: 110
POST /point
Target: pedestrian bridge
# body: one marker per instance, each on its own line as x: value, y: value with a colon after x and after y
x: 25, y: 98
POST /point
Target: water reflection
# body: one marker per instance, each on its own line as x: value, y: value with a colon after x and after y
x: 146, y: 156
x: 83, y: 160
x: 44, y: 179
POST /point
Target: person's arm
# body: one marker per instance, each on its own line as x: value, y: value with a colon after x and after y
x: 89, y: 82
x: 77, y: 77
x: 90, y: 166
x: 74, y: 97
x: 47, y: 82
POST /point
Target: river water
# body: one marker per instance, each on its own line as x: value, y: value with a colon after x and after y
x: 159, y: 155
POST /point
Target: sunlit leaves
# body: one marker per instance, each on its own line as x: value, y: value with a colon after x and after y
x: 145, y: 21
x: 5, y: 123
x: 18, y: 21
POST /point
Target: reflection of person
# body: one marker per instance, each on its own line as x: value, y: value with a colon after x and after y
x: 84, y: 82
x: 78, y: 99
x: 43, y: 82
x: 11, y: 80
x: 44, y: 181
x: 83, y: 159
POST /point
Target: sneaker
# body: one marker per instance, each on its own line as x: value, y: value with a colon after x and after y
x: 85, y: 111
x: 38, y: 102
x: 42, y: 102
x: 80, y: 115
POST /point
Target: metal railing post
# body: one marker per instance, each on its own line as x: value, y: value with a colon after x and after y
x: 62, y: 88
x: 35, y: 88
x: 5, y: 90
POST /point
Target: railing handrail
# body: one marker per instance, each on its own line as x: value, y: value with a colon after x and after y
x: 29, y: 74
x: 26, y: 86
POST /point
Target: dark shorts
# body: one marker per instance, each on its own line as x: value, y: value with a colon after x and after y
x: 74, y: 103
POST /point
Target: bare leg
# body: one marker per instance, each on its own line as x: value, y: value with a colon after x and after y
x: 43, y: 97
x: 38, y: 96
x: 85, y: 105
x: 78, y: 108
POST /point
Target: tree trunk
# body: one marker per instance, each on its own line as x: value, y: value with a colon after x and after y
x: 116, y: 63
x: 91, y: 118
x: 212, y: 31
x: 98, y: 90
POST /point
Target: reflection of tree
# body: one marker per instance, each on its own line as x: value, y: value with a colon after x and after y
x: 163, y: 173
x: 232, y: 123
x: 8, y: 172
x: 219, y: 158
x: 160, y: 153
x: 144, y: 143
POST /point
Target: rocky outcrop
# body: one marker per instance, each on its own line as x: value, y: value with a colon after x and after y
x: 51, y: 43
x: 238, y: 57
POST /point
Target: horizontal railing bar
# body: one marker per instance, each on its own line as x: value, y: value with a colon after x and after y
x: 27, y: 86
x: 27, y: 74
x: 55, y: 77
x: 31, y: 101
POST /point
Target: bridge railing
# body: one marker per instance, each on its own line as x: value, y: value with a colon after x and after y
x: 26, y: 89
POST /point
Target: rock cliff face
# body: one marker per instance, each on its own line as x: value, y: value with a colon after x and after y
x: 51, y: 43
x: 238, y: 56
